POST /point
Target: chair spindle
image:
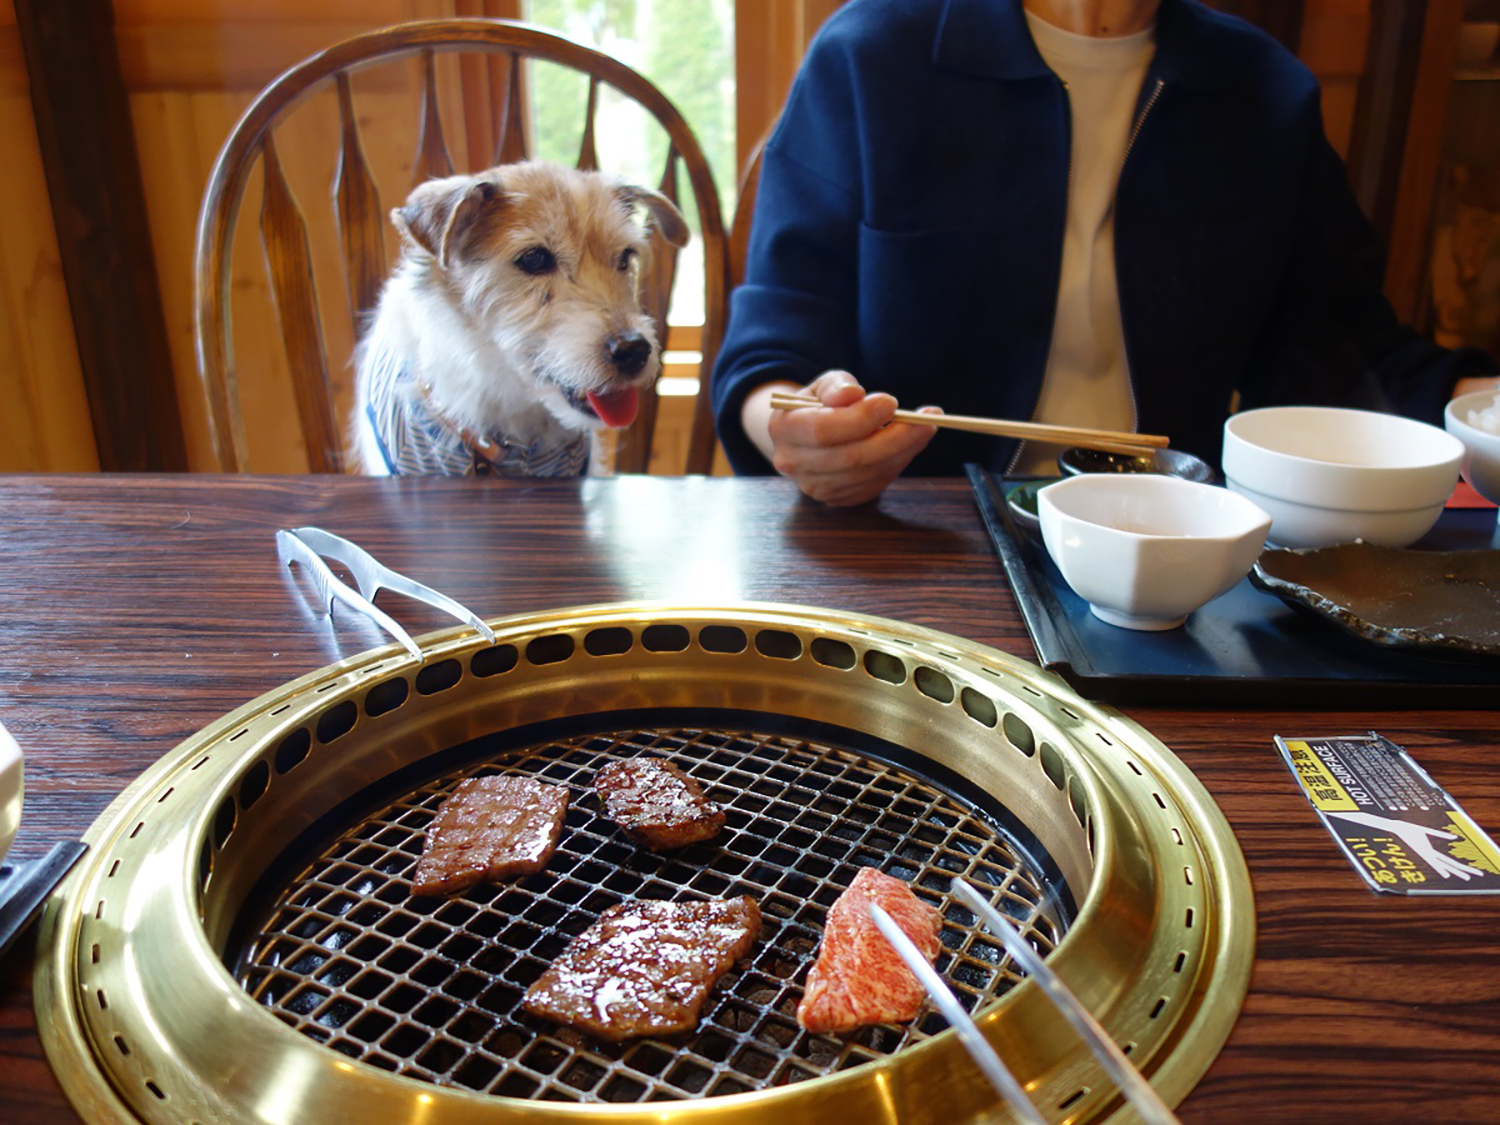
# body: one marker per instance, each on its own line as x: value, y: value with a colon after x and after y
x: 634, y: 454
x: 588, y: 155
x: 433, y: 161
x: 361, y: 222
x: 289, y: 262
x: 512, y: 145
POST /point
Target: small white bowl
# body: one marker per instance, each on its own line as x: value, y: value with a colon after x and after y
x: 1145, y: 551
x: 1329, y: 475
x: 11, y: 786
x: 1481, y: 466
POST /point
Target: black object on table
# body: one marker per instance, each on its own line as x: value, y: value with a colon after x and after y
x: 1245, y: 647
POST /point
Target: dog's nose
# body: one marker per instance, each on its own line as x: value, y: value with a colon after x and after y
x: 629, y: 352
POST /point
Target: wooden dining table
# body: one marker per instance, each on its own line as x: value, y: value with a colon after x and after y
x: 135, y: 610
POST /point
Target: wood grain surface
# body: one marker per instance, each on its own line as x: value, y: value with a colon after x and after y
x: 134, y: 610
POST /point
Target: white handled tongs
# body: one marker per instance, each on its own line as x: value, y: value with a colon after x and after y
x: 1138, y: 1092
x: 310, y: 545
x: 969, y: 1035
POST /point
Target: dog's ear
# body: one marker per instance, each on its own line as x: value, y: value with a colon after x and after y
x: 664, y: 214
x: 443, y: 216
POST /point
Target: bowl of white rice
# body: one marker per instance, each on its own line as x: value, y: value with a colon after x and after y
x: 1474, y: 419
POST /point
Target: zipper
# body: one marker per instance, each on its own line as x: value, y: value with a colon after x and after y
x: 1135, y: 419
x: 1063, y: 234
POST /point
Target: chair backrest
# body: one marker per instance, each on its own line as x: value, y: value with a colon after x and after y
x: 744, y: 212
x: 494, y: 84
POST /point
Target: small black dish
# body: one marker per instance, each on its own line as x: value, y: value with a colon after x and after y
x: 1167, y: 462
x: 1022, y: 501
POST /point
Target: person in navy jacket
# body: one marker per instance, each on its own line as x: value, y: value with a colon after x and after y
x: 1122, y: 214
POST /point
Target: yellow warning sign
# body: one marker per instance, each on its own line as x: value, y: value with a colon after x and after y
x: 1323, y: 789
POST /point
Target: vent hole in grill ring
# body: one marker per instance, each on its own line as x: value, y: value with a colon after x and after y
x: 884, y: 666
x: 551, y: 649
x: 253, y: 786
x: 494, y: 661
x: 612, y: 641
x: 833, y: 654
x: 933, y: 684
x: 385, y: 697
x: 665, y: 638
x: 441, y: 676
x: 778, y: 644
x: 980, y: 708
x: 293, y: 750
x: 337, y: 721
x: 224, y: 821
x: 1019, y: 734
x: 1052, y: 765
x: 727, y: 639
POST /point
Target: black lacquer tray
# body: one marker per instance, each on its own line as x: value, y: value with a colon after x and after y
x: 1247, y: 646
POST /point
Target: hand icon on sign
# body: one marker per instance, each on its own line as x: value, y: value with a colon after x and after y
x: 1418, y: 839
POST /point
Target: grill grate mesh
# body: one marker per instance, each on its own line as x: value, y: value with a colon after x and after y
x: 431, y: 988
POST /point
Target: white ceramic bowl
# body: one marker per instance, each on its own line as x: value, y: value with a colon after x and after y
x: 10, y: 789
x: 1482, y: 447
x: 1144, y: 550
x: 1328, y: 475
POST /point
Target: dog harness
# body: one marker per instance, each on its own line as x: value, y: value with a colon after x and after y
x: 417, y: 440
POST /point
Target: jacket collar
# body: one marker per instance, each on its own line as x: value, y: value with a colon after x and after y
x: 990, y: 39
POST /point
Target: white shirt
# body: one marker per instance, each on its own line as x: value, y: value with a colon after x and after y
x: 1087, y: 382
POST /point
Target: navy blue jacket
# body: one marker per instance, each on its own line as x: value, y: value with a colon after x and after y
x: 909, y: 229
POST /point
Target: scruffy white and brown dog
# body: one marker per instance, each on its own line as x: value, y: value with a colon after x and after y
x: 511, y: 328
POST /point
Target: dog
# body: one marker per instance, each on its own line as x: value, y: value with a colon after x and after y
x: 511, y: 329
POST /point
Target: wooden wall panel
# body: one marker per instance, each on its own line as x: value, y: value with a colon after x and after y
x: 1334, y: 42
x: 44, y: 423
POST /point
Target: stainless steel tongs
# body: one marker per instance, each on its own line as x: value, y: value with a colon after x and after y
x: 310, y: 545
x: 1132, y: 1083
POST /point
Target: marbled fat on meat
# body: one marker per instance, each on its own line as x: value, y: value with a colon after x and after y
x: 656, y: 803
x: 858, y: 979
x: 490, y: 828
x: 645, y: 968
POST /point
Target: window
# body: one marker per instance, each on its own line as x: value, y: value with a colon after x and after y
x: 686, y: 47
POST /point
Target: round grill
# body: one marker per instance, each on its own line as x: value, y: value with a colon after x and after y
x: 432, y: 988
x: 241, y: 943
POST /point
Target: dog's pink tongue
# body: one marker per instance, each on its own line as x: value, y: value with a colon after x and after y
x: 616, y: 408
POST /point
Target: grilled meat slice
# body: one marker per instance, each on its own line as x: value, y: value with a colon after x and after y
x: 656, y: 803
x: 490, y: 828
x: 645, y: 968
x: 858, y: 979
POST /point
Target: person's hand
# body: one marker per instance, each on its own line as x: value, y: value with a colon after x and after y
x: 844, y: 452
x: 1476, y: 383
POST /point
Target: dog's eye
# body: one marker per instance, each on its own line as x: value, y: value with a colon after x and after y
x: 536, y: 260
x: 627, y: 256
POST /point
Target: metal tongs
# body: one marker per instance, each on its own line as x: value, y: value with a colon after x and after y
x: 1132, y: 1084
x: 310, y: 545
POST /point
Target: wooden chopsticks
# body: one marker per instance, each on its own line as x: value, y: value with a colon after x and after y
x: 1110, y: 441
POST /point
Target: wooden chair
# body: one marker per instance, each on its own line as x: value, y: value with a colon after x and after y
x: 494, y: 82
x: 744, y: 212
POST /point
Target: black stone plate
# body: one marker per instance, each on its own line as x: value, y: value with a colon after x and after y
x: 1431, y: 603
